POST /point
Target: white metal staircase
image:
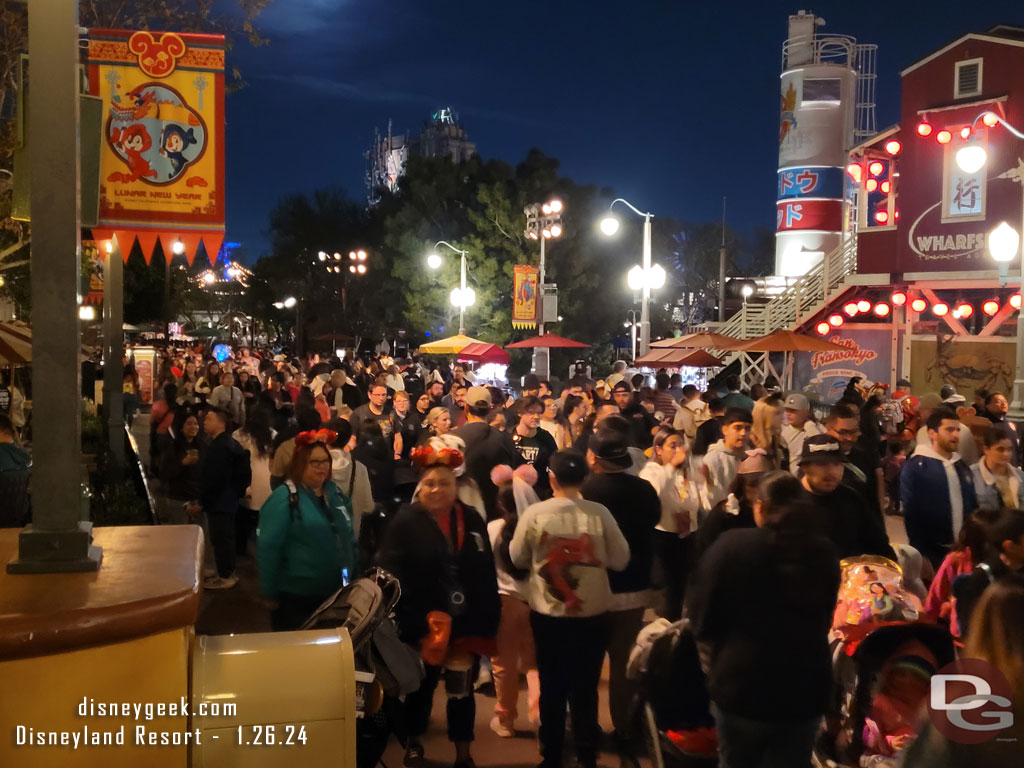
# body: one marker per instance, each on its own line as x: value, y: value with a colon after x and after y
x: 796, y: 305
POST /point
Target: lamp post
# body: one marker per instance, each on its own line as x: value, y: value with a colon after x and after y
x: 543, y: 222
x: 1003, y: 243
x: 463, y: 296
x: 632, y: 324
x: 643, y: 278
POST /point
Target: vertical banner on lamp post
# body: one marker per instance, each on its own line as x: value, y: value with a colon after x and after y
x: 524, y: 296
x: 162, y: 154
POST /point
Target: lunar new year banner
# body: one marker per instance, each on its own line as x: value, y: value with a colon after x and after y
x: 524, y: 296
x: 162, y: 158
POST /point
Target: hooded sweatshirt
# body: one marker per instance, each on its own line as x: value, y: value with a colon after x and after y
x: 936, y: 493
x: 721, y: 464
x: 690, y: 416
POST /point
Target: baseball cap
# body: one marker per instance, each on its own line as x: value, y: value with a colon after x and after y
x: 756, y: 463
x: 610, y: 446
x: 821, y: 449
x: 798, y: 402
x: 530, y: 381
x: 478, y: 396
x: 622, y: 386
x: 929, y: 400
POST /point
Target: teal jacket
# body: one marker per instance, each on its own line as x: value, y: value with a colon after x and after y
x: 299, y: 552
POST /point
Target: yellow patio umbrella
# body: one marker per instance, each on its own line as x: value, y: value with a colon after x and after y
x: 450, y: 346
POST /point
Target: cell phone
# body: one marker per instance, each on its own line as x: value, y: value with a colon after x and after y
x: 344, y: 577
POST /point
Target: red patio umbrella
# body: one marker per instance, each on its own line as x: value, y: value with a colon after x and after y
x: 704, y: 340
x: 789, y: 341
x: 672, y: 358
x: 482, y: 352
x: 548, y: 340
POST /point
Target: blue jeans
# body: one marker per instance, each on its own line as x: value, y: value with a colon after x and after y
x: 746, y: 743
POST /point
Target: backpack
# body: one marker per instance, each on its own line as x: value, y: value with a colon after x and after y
x: 241, y: 470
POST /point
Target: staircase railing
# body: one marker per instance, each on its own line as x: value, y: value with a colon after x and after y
x: 799, y: 302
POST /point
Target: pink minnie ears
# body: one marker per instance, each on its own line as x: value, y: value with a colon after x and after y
x: 503, y: 474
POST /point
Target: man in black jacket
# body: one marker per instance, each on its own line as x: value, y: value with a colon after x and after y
x: 769, y: 688
x: 849, y: 522
x: 218, y: 496
x: 641, y: 422
x: 486, y: 447
x: 634, y: 504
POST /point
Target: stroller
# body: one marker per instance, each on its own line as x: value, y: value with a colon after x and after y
x: 386, y: 668
x: 672, y: 706
x: 877, y: 627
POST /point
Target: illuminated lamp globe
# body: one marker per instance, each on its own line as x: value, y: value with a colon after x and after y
x: 361, y: 255
x: 546, y: 233
x: 747, y: 291
x: 965, y: 133
x: 556, y: 231
x: 1003, y: 242
x: 546, y: 209
x: 875, y: 168
x: 209, y: 278
x: 990, y: 119
x: 882, y: 217
x: 863, y: 305
x: 337, y: 270
x: 278, y: 305
x: 943, y: 136
x: 352, y: 255
x: 884, y: 187
x: 899, y: 298
x: 940, y: 309
x: 290, y: 302
x: 463, y: 300
x: 556, y: 206
x: 823, y: 328
x: 855, y: 171
x: 87, y: 313
x: 893, y: 147
x: 361, y: 269
x: 971, y: 159
x: 919, y: 305
x: 1015, y: 301
x: 337, y: 256
x: 964, y: 310
x: 882, y: 309
x: 322, y: 256
x: 871, y: 185
x: 352, y: 268
x: 109, y: 246
x: 609, y: 225
x: 178, y: 247
x: 434, y: 261
x: 924, y: 129
x: 635, y: 278
x: 835, y: 320
x: 656, y: 278
x: 990, y: 307
x: 851, y: 308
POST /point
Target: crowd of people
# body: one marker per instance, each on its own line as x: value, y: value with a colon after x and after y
x: 536, y: 532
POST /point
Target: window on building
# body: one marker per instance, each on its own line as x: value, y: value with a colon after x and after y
x: 968, y: 78
x: 822, y: 89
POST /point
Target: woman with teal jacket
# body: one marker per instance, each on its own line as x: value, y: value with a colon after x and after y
x: 306, y: 550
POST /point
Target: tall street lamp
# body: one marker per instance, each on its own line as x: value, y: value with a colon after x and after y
x: 543, y: 223
x: 645, y: 278
x: 1003, y: 242
x: 632, y: 324
x: 463, y: 296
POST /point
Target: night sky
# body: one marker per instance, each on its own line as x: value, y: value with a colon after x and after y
x: 672, y: 104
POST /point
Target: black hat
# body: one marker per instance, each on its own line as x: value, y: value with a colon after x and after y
x: 530, y: 381
x: 622, y: 386
x: 610, y: 446
x: 821, y: 449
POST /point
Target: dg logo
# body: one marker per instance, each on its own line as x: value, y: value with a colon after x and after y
x: 970, y: 701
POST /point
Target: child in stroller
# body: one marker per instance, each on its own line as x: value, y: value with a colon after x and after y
x: 885, y: 650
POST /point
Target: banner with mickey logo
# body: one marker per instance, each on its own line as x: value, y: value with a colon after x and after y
x: 162, y: 156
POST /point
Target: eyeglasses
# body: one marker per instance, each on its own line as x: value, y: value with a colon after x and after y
x: 319, y: 462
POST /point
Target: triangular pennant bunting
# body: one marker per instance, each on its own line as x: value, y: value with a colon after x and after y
x: 213, y: 241
x: 147, y: 242
x: 125, y: 241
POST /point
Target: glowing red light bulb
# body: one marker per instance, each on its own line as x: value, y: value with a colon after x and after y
x: 1015, y: 301
x: 835, y: 320
x: 871, y: 185
x: 943, y: 136
x: 851, y: 309
x: 924, y: 129
x: 964, y: 310
x: 899, y: 298
x: 918, y: 305
x: 893, y: 147
x: 965, y: 132
x: 823, y: 328
x: 885, y: 186
x: 855, y: 171
x: 863, y: 305
x: 940, y: 309
x: 990, y: 119
x: 881, y: 217
x: 882, y: 309
x: 990, y: 307
x: 875, y: 168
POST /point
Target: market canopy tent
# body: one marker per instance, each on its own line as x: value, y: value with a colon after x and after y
x: 703, y: 340
x: 15, y: 343
x: 450, y: 346
x: 679, y: 358
x: 547, y: 341
x: 481, y: 352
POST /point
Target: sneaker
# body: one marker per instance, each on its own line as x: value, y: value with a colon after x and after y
x: 502, y: 729
x: 216, y: 582
x: 413, y: 756
x: 483, y: 677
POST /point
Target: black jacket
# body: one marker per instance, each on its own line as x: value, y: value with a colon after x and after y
x: 635, y: 506
x: 720, y: 520
x: 852, y: 525
x: 762, y: 604
x: 216, y: 493
x: 486, y: 448
x: 416, y: 551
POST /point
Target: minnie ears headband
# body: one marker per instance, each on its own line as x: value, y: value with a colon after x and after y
x: 503, y: 474
x: 425, y: 457
x: 313, y: 437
